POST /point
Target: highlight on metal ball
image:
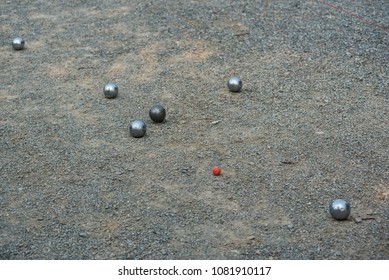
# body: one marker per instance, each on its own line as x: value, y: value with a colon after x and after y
x: 157, y: 113
x: 18, y: 43
x: 340, y: 209
x: 111, y: 90
x: 234, y: 84
x: 137, y: 128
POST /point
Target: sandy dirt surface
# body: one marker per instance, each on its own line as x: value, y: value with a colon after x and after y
x: 310, y: 125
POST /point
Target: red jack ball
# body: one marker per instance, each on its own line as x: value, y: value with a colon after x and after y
x: 216, y: 171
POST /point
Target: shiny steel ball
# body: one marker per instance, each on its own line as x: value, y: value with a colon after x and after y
x: 340, y: 209
x: 157, y: 113
x: 234, y: 84
x: 137, y: 129
x: 18, y: 44
x: 111, y: 90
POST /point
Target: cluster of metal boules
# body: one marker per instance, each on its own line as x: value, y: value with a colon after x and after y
x: 137, y: 128
x: 157, y: 113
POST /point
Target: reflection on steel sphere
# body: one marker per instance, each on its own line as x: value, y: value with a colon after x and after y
x: 111, y: 90
x: 157, y: 113
x: 340, y: 209
x: 18, y: 44
x: 234, y: 84
x: 137, y: 128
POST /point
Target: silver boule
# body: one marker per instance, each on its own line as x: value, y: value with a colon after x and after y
x: 157, y: 113
x: 234, y: 84
x: 340, y: 209
x: 18, y: 44
x: 137, y: 128
x: 111, y: 90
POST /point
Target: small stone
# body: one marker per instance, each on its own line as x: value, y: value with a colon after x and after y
x: 119, y: 171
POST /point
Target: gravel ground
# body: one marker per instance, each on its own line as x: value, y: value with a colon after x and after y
x: 310, y: 125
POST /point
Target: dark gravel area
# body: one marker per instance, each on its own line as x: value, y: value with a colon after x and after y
x: 310, y: 125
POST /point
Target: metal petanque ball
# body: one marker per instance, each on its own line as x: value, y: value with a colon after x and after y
x: 111, y: 90
x: 234, y: 84
x: 340, y: 209
x: 137, y: 129
x: 18, y: 44
x: 157, y: 113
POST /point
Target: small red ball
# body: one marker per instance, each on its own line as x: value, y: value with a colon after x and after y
x: 216, y: 171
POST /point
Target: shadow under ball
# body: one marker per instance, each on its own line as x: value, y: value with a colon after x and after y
x: 137, y: 129
x: 18, y: 44
x: 340, y: 209
x: 234, y: 84
x: 157, y: 113
x: 111, y: 90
